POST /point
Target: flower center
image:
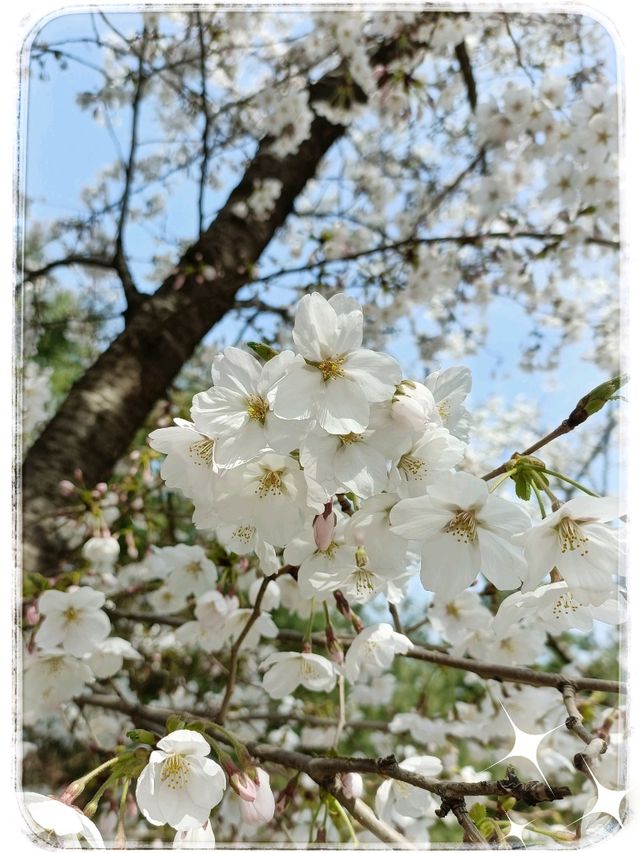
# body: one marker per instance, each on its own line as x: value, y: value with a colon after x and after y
x: 308, y: 668
x: 202, y: 452
x: 444, y: 410
x: 571, y: 537
x: 244, y: 533
x: 257, y: 408
x: 463, y: 527
x: 413, y: 467
x: 270, y: 484
x: 193, y: 568
x: 175, y: 771
x: 350, y: 438
x: 452, y: 610
x: 565, y: 605
x: 363, y: 580
x: 70, y: 614
x: 331, y: 368
x: 329, y: 551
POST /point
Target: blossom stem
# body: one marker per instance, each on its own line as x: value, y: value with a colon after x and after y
x: 121, y: 838
x: 347, y: 821
x: 571, y: 482
x: 306, y: 640
x: 77, y: 787
x: 538, y: 495
x: 342, y: 718
x: 500, y: 481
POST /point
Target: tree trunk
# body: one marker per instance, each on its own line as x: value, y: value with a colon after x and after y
x: 97, y: 421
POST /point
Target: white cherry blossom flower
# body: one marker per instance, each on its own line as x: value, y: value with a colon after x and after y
x: 576, y: 542
x: 239, y: 407
x: 109, y: 657
x: 399, y: 798
x: 464, y: 530
x: 422, y: 462
x: 74, y: 620
x: 269, y: 493
x: 167, y: 599
x: 191, y: 572
x: 264, y: 626
x: 453, y: 617
x: 450, y: 388
x: 370, y: 527
x: 372, y: 651
x: 555, y: 606
x: 344, y: 463
x: 243, y: 538
x: 51, y: 679
x: 520, y: 644
x: 190, y: 462
x: 339, y: 380
x: 180, y: 785
x: 285, y: 671
x: 414, y: 407
x: 49, y: 817
x: 102, y: 552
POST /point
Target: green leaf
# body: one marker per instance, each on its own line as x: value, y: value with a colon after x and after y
x: 523, y: 486
x: 174, y: 722
x: 262, y: 350
x: 142, y: 736
x: 477, y: 812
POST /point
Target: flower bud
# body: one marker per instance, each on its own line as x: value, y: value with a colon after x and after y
x: 243, y: 786
x: 72, y: 791
x: 352, y: 785
x: 32, y: 614
x: 262, y: 808
x: 66, y: 488
x: 324, y: 526
x: 334, y: 647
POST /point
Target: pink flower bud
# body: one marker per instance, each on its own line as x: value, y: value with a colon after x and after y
x: 32, y: 614
x: 324, y: 526
x: 261, y: 810
x: 78, y: 475
x: 137, y: 504
x: 243, y: 786
x: 66, y: 488
x: 352, y: 785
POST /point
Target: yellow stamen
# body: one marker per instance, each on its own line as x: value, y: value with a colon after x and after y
x: 257, y: 408
x: 270, y: 484
x: 202, y: 452
x: 175, y: 771
x: 463, y: 527
x: 571, y: 537
x: 331, y: 368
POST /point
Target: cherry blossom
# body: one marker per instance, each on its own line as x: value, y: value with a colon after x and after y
x: 337, y: 381
x: 464, y: 530
x: 285, y: 671
x: 575, y: 541
x: 73, y: 620
x: 180, y: 785
x: 372, y: 651
x: 68, y: 825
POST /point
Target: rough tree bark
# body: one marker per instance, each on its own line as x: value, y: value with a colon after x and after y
x: 97, y: 421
